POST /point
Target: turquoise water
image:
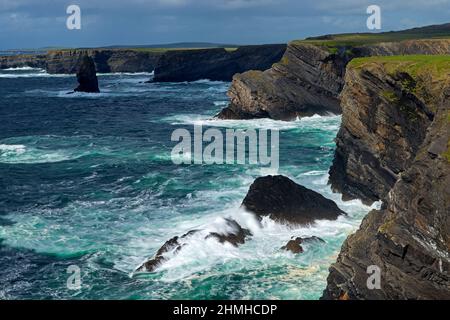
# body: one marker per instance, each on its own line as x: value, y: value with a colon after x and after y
x: 87, y: 180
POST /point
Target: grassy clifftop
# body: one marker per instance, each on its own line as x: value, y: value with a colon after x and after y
x: 416, y: 65
x: 349, y: 40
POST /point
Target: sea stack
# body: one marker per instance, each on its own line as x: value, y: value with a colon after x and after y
x: 86, y: 76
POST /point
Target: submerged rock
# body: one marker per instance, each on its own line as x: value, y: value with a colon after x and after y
x: 86, y: 76
x: 234, y: 235
x: 295, y: 245
x: 287, y: 202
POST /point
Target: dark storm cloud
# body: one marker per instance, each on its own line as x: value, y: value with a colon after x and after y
x: 32, y: 23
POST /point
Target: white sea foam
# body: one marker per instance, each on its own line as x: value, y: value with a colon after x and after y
x: 22, y: 69
x: 316, y: 121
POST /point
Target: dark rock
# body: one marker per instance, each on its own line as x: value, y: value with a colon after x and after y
x: 294, y: 246
x: 236, y: 237
x: 215, y: 64
x: 287, y: 202
x: 305, y: 82
x: 106, y: 60
x: 172, y: 245
x: 383, y: 126
x: 408, y: 239
x: 309, y: 79
x: 23, y: 60
x: 86, y: 76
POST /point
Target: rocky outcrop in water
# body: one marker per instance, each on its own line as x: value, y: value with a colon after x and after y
x: 309, y: 79
x: 86, y: 76
x: 408, y: 239
x: 215, y: 64
x: 232, y: 233
x: 287, y: 202
x: 295, y: 244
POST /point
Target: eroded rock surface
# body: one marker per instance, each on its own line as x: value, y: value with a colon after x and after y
x: 409, y: 238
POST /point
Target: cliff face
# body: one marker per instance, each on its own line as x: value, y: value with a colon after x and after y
x: 306, y: 81
x: 309, y: 79
x: 383, y: 125
x: 215, y: 64
x: 23, y: 60
x: 407, y: 47
x: 409, y: 238
x: 106, y: 61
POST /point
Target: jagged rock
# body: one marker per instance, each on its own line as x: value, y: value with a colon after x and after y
x: 23, y: 60
x: 234, y: 235
x: 287, y: 202
x: 295, y: 245
x: 305, y: 82
x: 106, y: 60
x: 86, y: 76
x: 409, y: 238
x: 215, y: 64
x: 383, y: 126
x: 309, y: 79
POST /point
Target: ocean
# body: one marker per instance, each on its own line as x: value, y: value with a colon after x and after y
x: 87, y: 180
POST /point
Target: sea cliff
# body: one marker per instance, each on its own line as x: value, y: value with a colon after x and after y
x: 218, y: 64
x: 394, y: 144
x: 310, y: 77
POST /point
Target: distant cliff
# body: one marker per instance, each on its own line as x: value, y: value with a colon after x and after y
x: 106, y: 61
x: 309, y: 78
x: 394, y: 144
x: 23, y: 60
x: 215, y: 64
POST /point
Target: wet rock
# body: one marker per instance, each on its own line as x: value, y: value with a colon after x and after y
x: 287, y: 202
x: 171, y: 246
x: 383, y: 127
x: 295, y: 245
x: 236, y: 237
x: 86, y: 76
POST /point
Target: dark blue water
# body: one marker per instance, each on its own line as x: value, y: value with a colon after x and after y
x: 88, y: 180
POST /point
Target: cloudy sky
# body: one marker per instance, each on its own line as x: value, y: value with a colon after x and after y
x: 41, y: 23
